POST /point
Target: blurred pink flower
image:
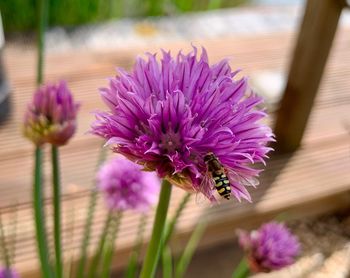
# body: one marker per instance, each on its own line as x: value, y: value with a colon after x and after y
x: 8, y: 273
x: 271, y: 247
x: 126, y: 187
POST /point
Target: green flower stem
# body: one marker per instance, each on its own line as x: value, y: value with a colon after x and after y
x: 132, y: 265
x: 152, y: 255
x: 109, y: 250
x: 89, y: 219
x: 42, y: 15
x: 242, y: 270
x: 167, y: 262
x: 169, y: 229
x: 97, y: 258
x: 57, y: 209
x: 39, y: 215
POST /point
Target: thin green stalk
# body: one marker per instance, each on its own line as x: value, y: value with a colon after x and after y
x: 57, y: 209
x: 68, y: 269
x: 132, y: 265
x: 242, y: 270
x: 109, y: 250
x: 3, y: 245
x: 14, y: 235
x: 190, y: 248
x: 171, y: 225
x: 39, y: 215
x: 89, y: 219
x: 152, y: 255
x: 97, y: 258
x: 42, y: 15
x: 167, y: 262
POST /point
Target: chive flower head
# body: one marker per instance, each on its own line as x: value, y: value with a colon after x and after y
x: 125, y: 187
x: 51, y: 115
x: 271, y: 247
x: 8, y: 273
x: 168, y: 114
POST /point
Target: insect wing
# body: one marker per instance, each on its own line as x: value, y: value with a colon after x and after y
x: 206, y: 183
x: 239, y: 184
x: 251, y: 181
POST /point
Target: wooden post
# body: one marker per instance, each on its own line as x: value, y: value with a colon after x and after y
x: 310, y: 56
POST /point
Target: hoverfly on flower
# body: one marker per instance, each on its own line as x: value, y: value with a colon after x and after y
x: 220, y: 177
x: 217, y: 172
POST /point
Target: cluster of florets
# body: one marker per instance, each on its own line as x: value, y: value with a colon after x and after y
x: 167, y: 115
x: 51, y: 116
x: 271, y: 247
x: 126, y: 187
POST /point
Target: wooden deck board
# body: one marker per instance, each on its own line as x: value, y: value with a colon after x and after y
x: 315, y: 179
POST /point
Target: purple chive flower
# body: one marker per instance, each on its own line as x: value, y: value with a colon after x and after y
x: 126, y: 187
x: 8, y: 273
x: 168, y: 115
x: 51, y: 116
x: 269, y: 248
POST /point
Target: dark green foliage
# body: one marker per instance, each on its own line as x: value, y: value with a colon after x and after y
x: 20, y: 15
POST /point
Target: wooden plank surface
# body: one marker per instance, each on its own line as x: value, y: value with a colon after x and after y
x: 313, y: 180
x: 314, y: 43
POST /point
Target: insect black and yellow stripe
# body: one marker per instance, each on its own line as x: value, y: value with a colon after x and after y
x: 222, y: 184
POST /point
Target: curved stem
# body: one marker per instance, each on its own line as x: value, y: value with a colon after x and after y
x: 57, y: 209
x: 97, y: 258
x: 169, y: 229
x: 242, y: 270
x: 42, y: 15
x: 190, y: 248
x: 89, y: 219
x: 39, y: 215
x: 109, y: 250
x: 152, y: 255
x: 132, y: 265
x: 3, y: 245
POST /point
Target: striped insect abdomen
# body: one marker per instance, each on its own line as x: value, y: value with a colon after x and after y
x: 222, y: 184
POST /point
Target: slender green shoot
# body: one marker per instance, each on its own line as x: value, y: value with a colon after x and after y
x: 3, y: 246
x: 131, y: 271
x: 89, y: 219
x: 95, y: 264
x: 167, y: 262
x: 110, y: 245
x: 242, y: 270
x: 39, y: 216
x: 152, y: 255
x: 169, y: 229
x: 56, y: 182
x: 190, y: 248
x: 14, y: 235
x: 43, y: 8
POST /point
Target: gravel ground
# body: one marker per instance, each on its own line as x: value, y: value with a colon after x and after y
x: 243, y: 21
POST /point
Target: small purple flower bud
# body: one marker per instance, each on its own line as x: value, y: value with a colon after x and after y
x: 271, y: 247
x: 126, y: 187
x: 168, y: 115
x: 51, y: 116
x: 8, y: 273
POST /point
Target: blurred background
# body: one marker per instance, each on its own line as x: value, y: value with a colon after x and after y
x: 86, y: 40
